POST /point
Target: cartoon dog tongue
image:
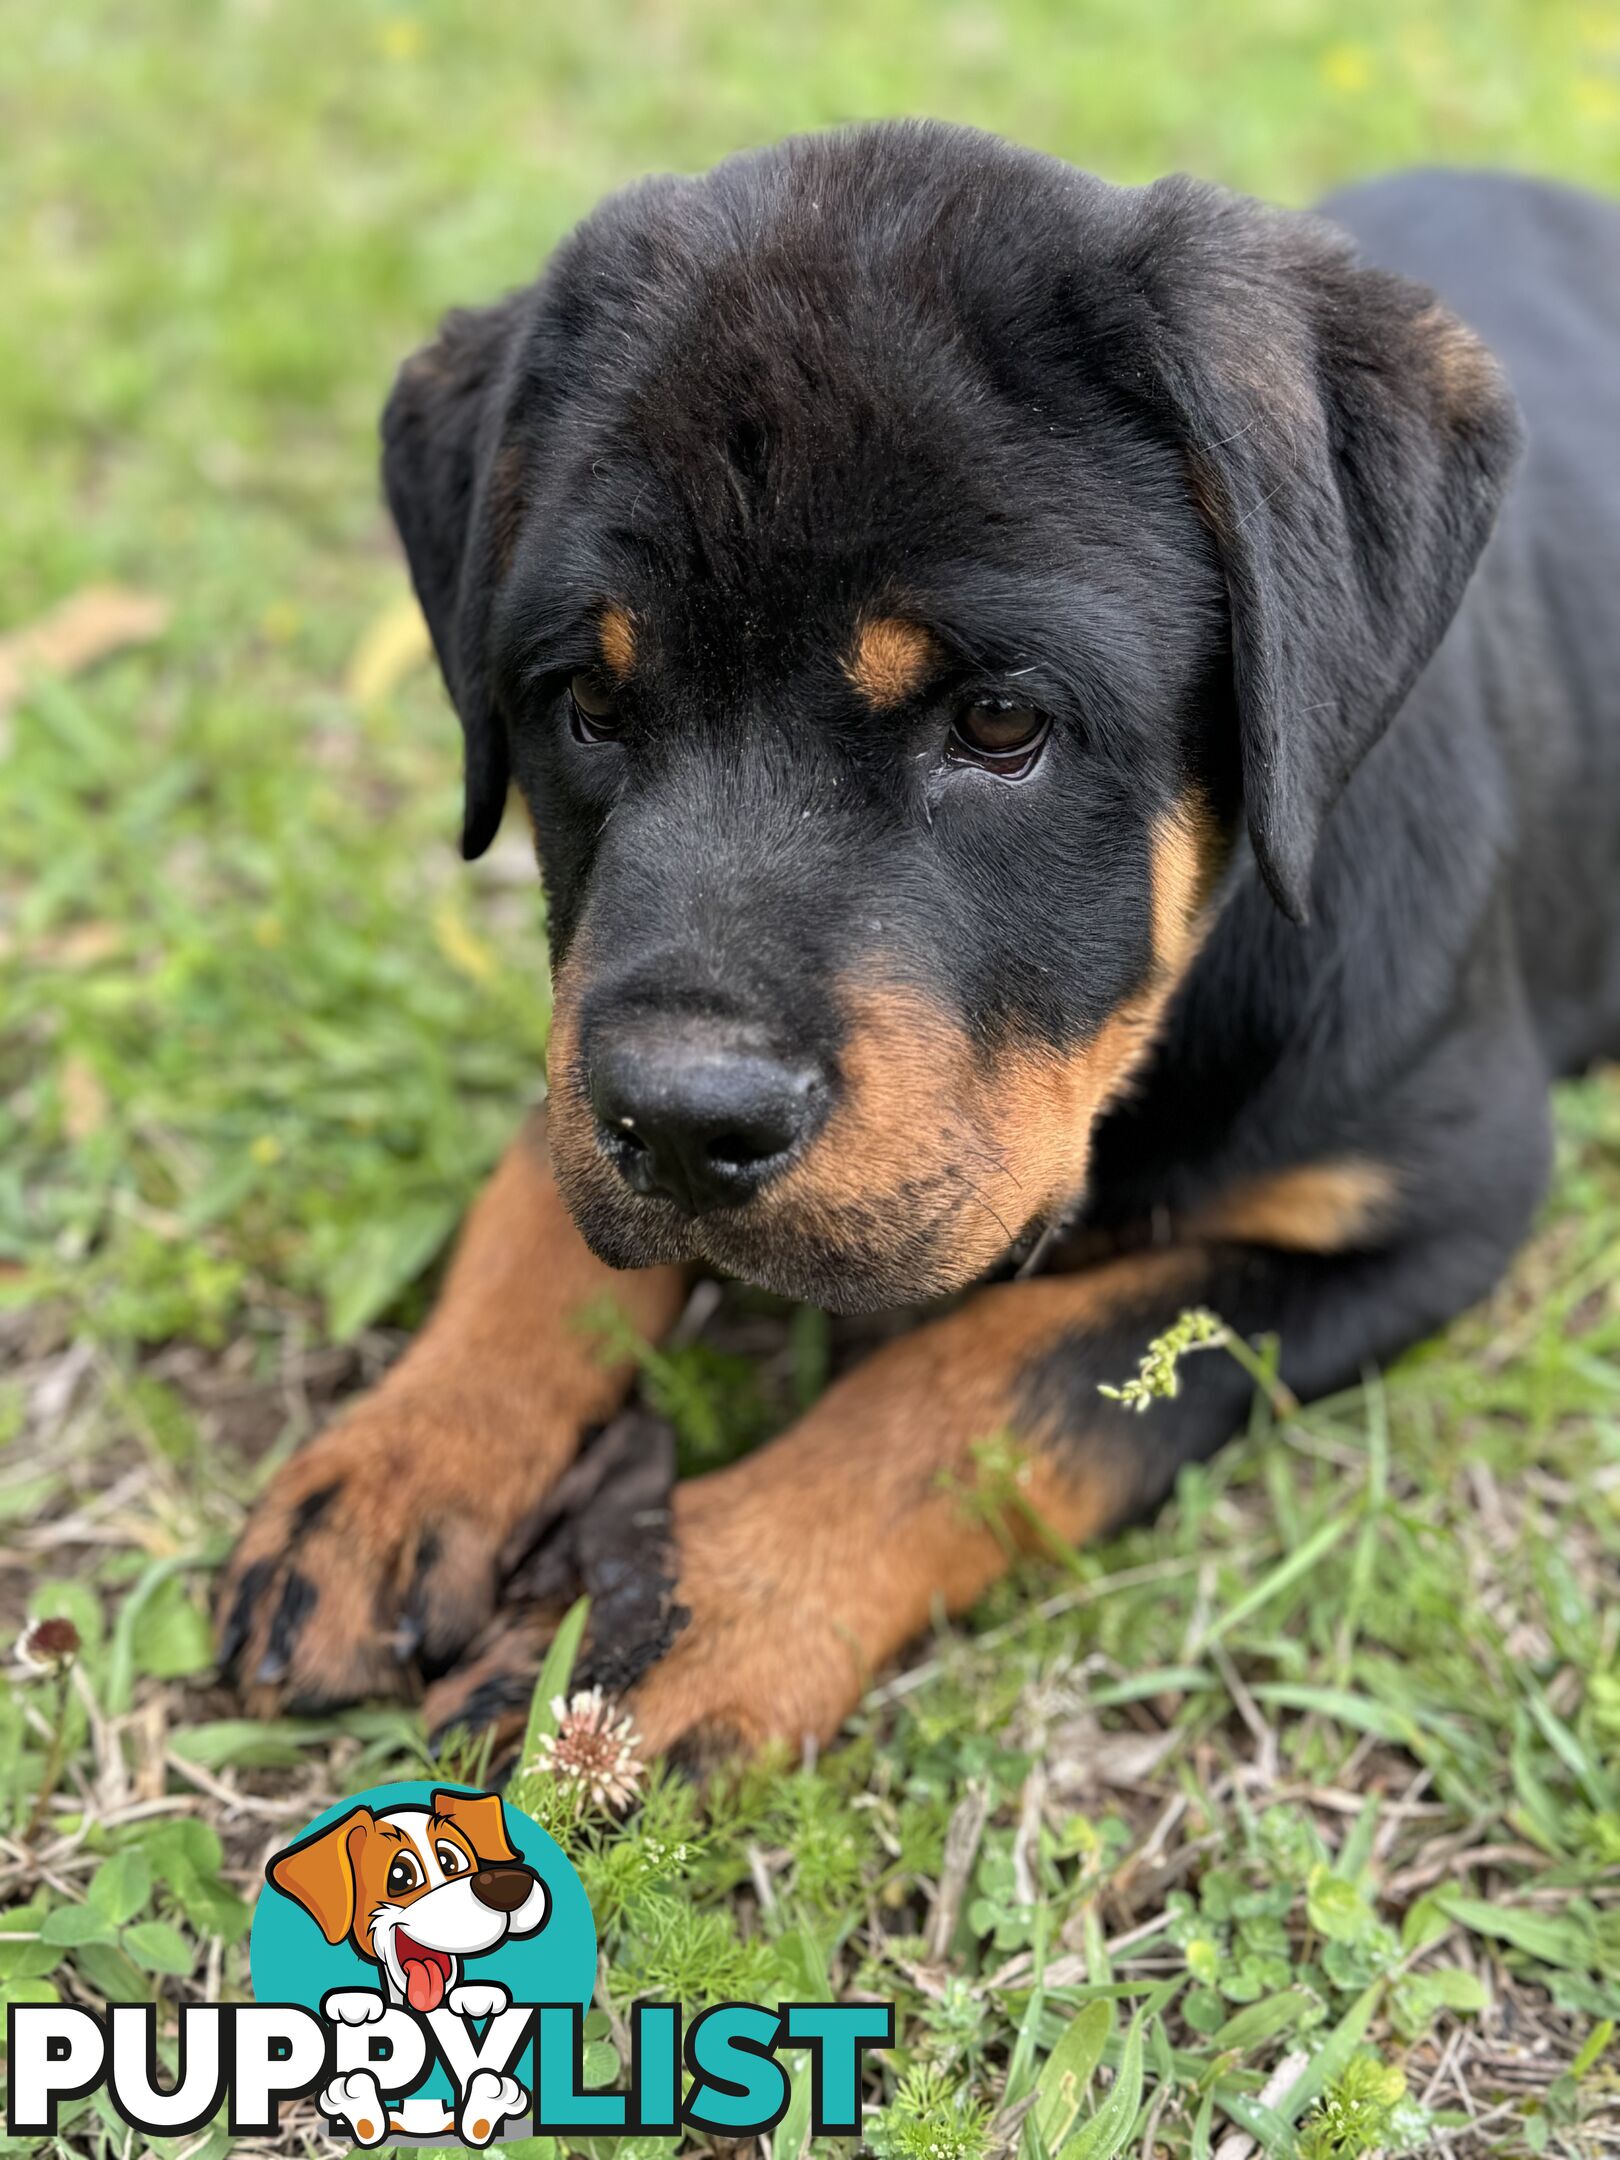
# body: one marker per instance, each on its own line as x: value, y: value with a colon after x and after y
x: 424, y: 1982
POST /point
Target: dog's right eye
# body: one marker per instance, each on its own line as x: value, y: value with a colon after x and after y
x: 403, y: 1876
x: 591, y: 709
x: 999, y: 736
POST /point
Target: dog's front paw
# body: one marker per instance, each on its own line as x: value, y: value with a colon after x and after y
x: 478, y: 1998
x: 606, y: 1534
x: 352, y: 2006
x: 488, y: 2102
x: 374, y: 1549
x: 356, y: 2099
x: 767, y: 1651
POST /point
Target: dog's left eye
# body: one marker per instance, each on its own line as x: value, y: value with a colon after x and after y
x: 451, y: 1858
x: 403, y: 1876
x: 1003, y: 739
x: 591, y: 709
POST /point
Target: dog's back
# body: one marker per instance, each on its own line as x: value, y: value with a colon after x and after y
x: 1535, y: 268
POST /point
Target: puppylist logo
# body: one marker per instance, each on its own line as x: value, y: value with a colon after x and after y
x: 422, y: 1960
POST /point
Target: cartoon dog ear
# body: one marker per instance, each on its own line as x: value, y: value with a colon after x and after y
x: 1348, y: 441
x: 320, y: 1873
x: 452, y: 503
x: 481, y: 1819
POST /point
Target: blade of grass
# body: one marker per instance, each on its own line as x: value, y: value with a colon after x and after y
x: 553, y: 1680
x: 1299, y: 1562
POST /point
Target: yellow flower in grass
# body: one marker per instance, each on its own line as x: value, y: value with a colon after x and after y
x: 1594, y: 98
x: 401, y: 38
x: 1347, y: 68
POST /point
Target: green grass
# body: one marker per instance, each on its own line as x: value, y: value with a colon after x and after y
x: 1329, y: 1753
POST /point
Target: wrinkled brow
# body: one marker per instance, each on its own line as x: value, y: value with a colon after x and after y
x: 1076, y: 638
x: 545, y: 620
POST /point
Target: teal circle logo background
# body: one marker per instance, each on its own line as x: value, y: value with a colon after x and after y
x: 291, y: 1961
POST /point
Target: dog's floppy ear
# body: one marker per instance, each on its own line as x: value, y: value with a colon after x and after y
x: 441, y: 433
x: 481, y: 1819
x: 1348, y: 442
x: 320, y: 1873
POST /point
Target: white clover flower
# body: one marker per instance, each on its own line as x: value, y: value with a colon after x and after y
x: 593, y: 1748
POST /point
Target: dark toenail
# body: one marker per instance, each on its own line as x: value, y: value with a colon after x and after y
x: 249, y: 1590
x: 299, y: 1598
x: 311, y: 1508
x: 410, y: 1628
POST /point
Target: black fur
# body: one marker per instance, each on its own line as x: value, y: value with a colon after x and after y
x: 1191, y: 475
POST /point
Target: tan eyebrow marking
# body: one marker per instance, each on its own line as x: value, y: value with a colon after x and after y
x: 616, y: 637
x: 892, y: 658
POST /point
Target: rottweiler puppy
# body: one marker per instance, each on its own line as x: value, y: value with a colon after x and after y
x: 1043, y: 707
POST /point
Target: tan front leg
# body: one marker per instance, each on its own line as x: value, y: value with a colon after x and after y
x: 377, y: 1545
x: 808, y: 1565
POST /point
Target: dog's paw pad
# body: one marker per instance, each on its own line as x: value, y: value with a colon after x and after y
x: 488, y: 2103
x: 356, y: 2099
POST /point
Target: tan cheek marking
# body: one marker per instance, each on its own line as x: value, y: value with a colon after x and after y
x: 1001, y: 1139
x: 892, y: 658
x: 616, y: 640
x: 904, y: 1064
x: 1326, y: 1207
x: 1186, y: 858
x: 1053, y: 1100
x: 991, y: 1144
x: 569, y: 1127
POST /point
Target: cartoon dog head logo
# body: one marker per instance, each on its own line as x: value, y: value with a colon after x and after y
x: 417, y: 1921
x: 417, y: 1889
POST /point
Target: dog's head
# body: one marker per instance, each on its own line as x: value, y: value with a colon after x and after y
x: 416, y: 1889
x: 897, y: 570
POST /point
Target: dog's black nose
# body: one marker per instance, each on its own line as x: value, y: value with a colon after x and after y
x: 502, y: 1889
x: 701, y: 1120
